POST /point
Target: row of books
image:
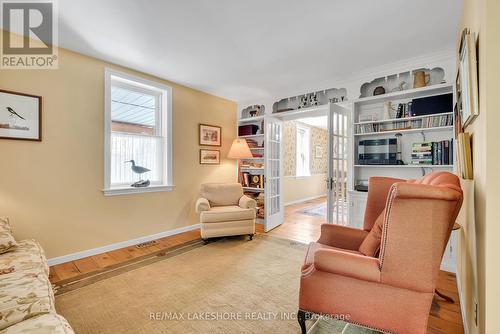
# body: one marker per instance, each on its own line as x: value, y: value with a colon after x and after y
x: 404, y: 110
x: 432, y: 153
x: 253, y: 143
x: 421, y: 123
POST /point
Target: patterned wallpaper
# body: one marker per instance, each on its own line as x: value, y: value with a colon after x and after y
x: 318, y: 138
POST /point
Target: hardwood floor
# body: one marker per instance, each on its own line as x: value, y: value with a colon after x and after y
x: 444, y: 318
x: 298, y: 226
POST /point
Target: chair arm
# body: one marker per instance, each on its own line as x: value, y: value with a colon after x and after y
x: 347, y: 264
x: 247, y: 202
x: 202, y: 204
x: 341, y: 236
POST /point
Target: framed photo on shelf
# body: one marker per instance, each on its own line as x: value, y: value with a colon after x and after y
x: 210, y: 135
x: 467, y: 82
x: 20, y: 116
x: 209, y: 157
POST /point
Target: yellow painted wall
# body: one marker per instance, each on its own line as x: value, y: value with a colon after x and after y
x: 52, y: 190
x: 296, y: 189
x: 482, y: 17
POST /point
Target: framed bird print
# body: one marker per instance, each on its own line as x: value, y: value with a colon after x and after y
x: 20, y: 116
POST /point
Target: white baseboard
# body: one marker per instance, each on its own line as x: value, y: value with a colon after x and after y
x: 304, y: 200
x: 122, y: 244
x: 462, y: 305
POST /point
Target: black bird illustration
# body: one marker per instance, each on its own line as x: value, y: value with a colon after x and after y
x: 13, y: 113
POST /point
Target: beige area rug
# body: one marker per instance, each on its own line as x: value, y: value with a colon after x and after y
x: 228, y: 286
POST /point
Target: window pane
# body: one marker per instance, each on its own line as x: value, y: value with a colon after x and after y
x: 303, y: 152
x: 133, y: 111
x: 146, y: 151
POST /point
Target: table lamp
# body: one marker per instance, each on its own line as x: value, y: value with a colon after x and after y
x: 239, y: 150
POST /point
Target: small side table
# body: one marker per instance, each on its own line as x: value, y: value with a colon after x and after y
x: 456, y: 226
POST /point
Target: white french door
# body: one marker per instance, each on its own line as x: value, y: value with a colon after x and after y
x: 337, y: 165
x: 273, y: 155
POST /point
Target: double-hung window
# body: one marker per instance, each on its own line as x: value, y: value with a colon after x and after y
x: 138, y: 138
x: 303, y: 152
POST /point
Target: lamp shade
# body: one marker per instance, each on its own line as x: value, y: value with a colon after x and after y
x: 239, y: 150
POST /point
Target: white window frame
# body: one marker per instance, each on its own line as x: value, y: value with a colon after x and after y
x: 165, y: 128
x: 307, y: 131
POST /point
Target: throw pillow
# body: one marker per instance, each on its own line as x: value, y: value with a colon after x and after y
x: 371, y: 245
x: 7, y: 241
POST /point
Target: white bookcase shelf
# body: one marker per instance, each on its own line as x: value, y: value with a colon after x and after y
x: 403, y: 119
x: 407, y: 94
x: 373, y: 107
x: 258, y: 139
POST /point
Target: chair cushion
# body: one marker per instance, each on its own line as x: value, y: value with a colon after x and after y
x: 371, y: 245
x: 315, y: 246
x: 221, y: 194
x: 24, y: 295
x: 27, y: 256
x: 7, y: 241
x: 46, y: 323
x: 226, y: 213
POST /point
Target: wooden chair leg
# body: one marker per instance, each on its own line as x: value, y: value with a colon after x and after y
x: 445, y: 297
x: 301, y: 318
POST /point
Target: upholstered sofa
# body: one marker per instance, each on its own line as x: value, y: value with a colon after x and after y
x: 225, y: 211
x: 26, y: 296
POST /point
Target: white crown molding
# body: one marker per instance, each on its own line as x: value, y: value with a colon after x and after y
x: 355, y: 80
x: 118, y: 245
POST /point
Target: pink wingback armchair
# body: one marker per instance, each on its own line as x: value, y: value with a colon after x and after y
x: 383, y: 276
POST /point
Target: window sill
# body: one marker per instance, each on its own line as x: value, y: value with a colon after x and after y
x: 131, y: 190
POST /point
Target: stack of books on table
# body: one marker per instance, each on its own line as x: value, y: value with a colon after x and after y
x: 432, y: 153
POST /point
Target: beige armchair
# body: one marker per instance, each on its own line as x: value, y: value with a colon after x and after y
x: 225, y: 211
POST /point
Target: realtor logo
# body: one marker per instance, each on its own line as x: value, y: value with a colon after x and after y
x: 29, y: 33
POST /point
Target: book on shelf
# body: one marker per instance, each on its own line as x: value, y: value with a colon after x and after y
x: 464, y: 155
x: 432, y: 153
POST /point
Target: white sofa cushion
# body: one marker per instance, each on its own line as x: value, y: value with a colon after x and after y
x: 23, y: 295
x: 220, y: 194
x: 28, y: 255
x: 49, y: 323
x: 7, y: 241
x: 226, y: 214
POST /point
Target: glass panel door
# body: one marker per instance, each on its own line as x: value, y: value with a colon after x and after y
x: 337, y: 165
x: 274, y: 203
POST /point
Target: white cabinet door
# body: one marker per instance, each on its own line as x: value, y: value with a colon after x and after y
x: 357, y: 205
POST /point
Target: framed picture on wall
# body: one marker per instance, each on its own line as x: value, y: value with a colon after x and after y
x: 209, y: 157
x: 210, y: 135
x: 318, y: 152
x: 20, y: 116
x: 467, y: 90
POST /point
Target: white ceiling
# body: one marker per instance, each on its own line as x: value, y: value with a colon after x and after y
x: 245, y: 49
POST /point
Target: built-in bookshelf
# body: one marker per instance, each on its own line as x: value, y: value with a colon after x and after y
x: 250, y: 126
x: 388, y: 117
